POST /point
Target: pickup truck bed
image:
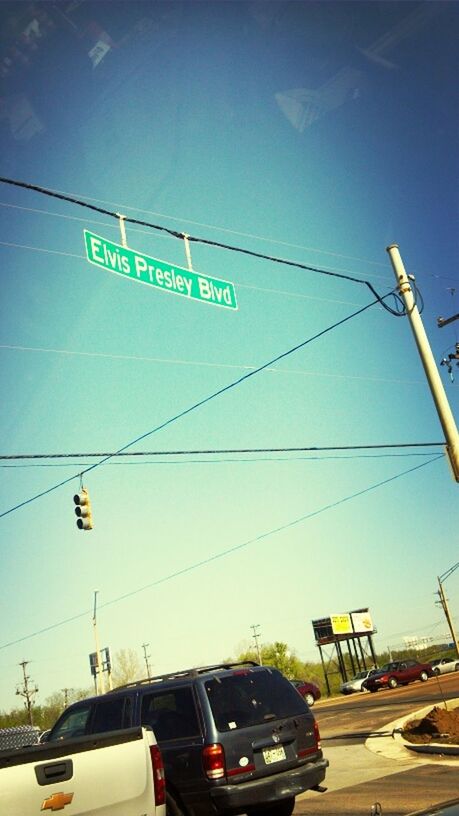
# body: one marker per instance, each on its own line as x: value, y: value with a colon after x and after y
x: 110, y: 774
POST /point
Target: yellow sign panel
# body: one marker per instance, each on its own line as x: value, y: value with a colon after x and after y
x: 341, y: 624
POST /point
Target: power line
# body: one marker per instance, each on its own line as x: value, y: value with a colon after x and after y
x: 206, y: 364
x: 212, y: 451
x: 198, y: 224
x: 253, y: 460
x: 134, y: 231
x: 195, y: 406
x: 240, y: 233
x: 224, y: 553
x: 397, y: 311
x: 110, y: 225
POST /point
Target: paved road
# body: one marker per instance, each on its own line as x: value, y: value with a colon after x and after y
x: 358, y: 777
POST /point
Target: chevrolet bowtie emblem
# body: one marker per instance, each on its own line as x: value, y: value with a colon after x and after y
x: 57, y: 801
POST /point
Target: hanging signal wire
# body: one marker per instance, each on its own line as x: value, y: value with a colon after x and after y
x: 213, y: 451
x: 397, y: 310
x: 224, y: 553
x: 196, y: 405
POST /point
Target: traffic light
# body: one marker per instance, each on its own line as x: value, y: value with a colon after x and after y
x: 83, y: 510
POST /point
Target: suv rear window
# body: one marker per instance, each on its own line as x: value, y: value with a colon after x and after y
x: 249, y: 698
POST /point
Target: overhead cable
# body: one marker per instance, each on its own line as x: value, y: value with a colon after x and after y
x: 224, y: 553
x: 193, y: 407
x: 213, y: 451
x: 397, y: 310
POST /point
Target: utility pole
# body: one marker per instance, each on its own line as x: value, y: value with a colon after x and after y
x: 144, y: 647
x: 425, y: 352
x: 444, y: 603
x: 65, y: 692
x: 256, y: 635
x: 100, y: 674
x: 27, y: 692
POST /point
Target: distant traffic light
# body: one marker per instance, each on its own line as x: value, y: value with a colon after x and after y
x: 83, y: 510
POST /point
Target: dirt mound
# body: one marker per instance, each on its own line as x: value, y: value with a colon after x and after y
x: 439, y: 725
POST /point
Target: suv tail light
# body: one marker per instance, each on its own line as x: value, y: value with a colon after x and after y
x: 213, y: 759
x: 305, y: 751
x: 159, y: 781
x: 317, y: 733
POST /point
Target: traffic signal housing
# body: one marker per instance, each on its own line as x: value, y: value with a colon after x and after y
x: 83, y: 510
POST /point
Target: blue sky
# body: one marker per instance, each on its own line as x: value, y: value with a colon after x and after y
x: 316, y: 132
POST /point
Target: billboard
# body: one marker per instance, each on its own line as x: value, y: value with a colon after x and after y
x: 342, y: 626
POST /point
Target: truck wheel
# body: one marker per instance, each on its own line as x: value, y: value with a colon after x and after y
x: 172, y: 808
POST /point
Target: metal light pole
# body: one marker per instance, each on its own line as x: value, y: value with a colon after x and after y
x: 425, y: 352
x: 100, y: 673
x: 444, y: 602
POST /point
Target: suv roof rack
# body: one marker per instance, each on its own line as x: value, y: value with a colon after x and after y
x: 193, y: 672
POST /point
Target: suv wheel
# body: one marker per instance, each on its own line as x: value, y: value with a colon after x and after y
x: 392, y: 682
x: 284, y: 807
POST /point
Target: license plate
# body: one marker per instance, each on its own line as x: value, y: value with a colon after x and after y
x: 273, y: 754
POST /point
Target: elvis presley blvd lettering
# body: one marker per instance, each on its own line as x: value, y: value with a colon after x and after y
x: 162, y: 275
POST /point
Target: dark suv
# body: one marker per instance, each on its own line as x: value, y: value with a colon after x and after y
x: 235, y: 738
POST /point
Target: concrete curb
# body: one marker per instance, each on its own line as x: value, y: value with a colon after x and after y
x: 393, y: 746
x: 432, y: 747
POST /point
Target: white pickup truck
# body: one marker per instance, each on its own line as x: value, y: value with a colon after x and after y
x: 111, y: 774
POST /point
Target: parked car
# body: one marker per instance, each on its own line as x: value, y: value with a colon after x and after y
x: 235, y: 738
x: 356, y: 683
x: 309, y: 691
x: 443, y: 665
x: 398, y: 673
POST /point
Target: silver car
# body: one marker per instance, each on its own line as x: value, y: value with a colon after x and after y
x: 356, y: 683
x: 443, y: 665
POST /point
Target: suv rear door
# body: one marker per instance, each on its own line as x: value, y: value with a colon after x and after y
x: 262, y: 722
x: 174, y: 717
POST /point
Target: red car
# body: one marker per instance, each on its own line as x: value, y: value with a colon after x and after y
x: 398, y: 673
x: 309, y: 691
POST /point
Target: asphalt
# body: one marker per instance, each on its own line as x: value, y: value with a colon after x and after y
x: 383, y: 770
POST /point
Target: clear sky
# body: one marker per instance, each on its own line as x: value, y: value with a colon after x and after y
x: 316, y: 132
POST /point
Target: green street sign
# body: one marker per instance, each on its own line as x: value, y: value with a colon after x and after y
x: 161, y: 274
